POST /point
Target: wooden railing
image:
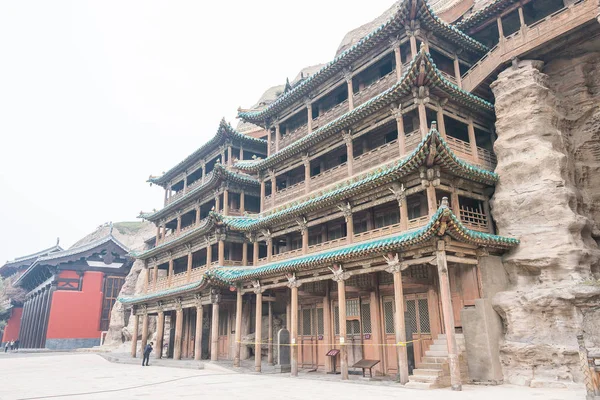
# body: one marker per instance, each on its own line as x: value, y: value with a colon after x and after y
x: 331, y: 114
x: 375, y: 88
x: 287, y: 254
x: 474, y: 219
x: 418, y: 222
x: 484, y: 158
x: 460, y: 147
x: 379, y: 232
x: 189, y: 188
x: 448, y: 76
x: 179, y: 279
x: 327, y: 245
x: 172, y: 236
x: 412, y: 140
x: 286, y: 194
x: 529, y: 38
x: 376, y: 156
x: 294, y: 135
x: 330, y: 176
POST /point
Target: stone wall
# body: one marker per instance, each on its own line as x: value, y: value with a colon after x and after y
x: 547, y: 145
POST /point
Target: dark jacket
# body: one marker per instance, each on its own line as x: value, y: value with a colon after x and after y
x: 148, y: 349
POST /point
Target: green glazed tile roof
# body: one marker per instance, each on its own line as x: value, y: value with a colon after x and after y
x: 492, y: 9
x: 385, y: 174
x: 422, y: 71
x: 219, y: 174
x: 442, y: 222
x: 224, y: 132
x: 401, y: 17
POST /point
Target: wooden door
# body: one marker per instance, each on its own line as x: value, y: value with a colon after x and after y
x: 223, y: 345
x: 464, y: 288
x: 418, y: 327
x: 311, y: 329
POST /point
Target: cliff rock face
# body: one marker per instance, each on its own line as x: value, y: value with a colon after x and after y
x: 547, y: 146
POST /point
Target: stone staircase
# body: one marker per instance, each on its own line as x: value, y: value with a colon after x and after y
x: 433, y: 371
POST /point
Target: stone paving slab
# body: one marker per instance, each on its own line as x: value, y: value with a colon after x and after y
x: 91, y: 377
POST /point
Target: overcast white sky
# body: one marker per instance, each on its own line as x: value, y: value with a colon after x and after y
x: 97, y: 95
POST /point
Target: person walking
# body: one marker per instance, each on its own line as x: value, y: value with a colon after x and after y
x: 17, y: 344
x: 6, y: 347
x: 147, y: 352
x: 12, y: 345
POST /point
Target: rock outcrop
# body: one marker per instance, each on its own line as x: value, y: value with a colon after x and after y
x: 543, y: 199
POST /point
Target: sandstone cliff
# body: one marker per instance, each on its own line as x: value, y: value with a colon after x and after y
x: 547, y: 149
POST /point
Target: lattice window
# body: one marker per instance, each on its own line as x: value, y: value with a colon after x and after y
x: 306, y: 322
x: 336, y: 319
x: 223, y: 315
x: 361, y: 281
x: 352, y: 308
x: 419, y: 271
x: 314, y: 287
x: 386, y: 278
x: 365, y: 311
x: 388, y: 312
x: 410, y: 317
x: 424, y: 316
x: 320, y: 322
x: 112, y: 288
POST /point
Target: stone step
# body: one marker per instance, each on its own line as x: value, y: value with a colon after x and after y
x: 438, y: 347
x: 423, y: 378
x: 437, y: 366
x: 420, y: 385
x: 434, y: 360
x: 428, y: 372
x: 442, y: 342
x: 434, y: 353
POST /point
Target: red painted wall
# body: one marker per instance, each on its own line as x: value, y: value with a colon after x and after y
x: 11, y: 330
x: 76, y: 314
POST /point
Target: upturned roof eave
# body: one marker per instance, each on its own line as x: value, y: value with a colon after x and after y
x: 444, y: 157
x: 224, y: 132
x: 382, y: 32
x: 400, y: 89
x: 222, y: 175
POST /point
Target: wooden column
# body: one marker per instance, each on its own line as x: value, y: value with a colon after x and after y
x: 217, y: 201
x: 522, y: 18
x: 189, y: 265
x: 394, y: 268
x: 268, y: 129
x: 245, y: 254
x: 166, y: 196
x: 309, y: 113
x: 238, y: 328
x: 197, y: 213
x: 413, y: 45
x: 157, y: 234
x: 178, y: 332
x: 500, y: 29
x: 147, y: 278
x: 403, y: 203
x: 270, y: 335
x: 203, y: 171
x: 431, y: 199
x: 488, y: 215
x: 229, y: 155
x: 255, y: 252
x: 208, y: 253
x: 160, y: 333
x: 144, y: 331
x: 155, y: 275
x: 134, y: 335
x: 454, y: 200
x: 457, y: 71
x: 226, y: 201
x: 269, y: 248
x: 293, y: 284
x: 185, y: 177
x: 306, y: 162
x: 441, y: 124
x: 348, y: 77
x: 242, y: 202
x: 398, y: 57
x: 214, y: 332
x: 258, y: 332
x: 327, y: 338
x: 422, y: 118
x: 472, y: 140
x: 348, y: 216
x: 448, y: 312
x: 340, y: 279
x: 349, y: 151
x: 198, y: 336
x: 273, y: 187
x: 221, y: 252
x: 170, y: 273
x: 263, y: 192
x: 277, y: 137
x: 304, y: 233
x: 397, y: 113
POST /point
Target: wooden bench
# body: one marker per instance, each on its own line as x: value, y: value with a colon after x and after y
x: 366, y: 364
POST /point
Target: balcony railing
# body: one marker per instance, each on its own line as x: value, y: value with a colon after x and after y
x: 189, y: 188
x: 376, y: 156
x: 179, y: 279
x: 484, y: 158
x: 286, y: 194
x: 330, y: 176
x: 449, y: 76
x: 412, y: 140
x: 331, y: 114
x: 327, y: 245
x: 294, y: 135
x: 375, y: 88
x: 379, y: 232
x: 418, y: 222
x: 287, y: 254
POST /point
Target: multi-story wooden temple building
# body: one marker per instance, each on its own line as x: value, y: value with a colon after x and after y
x: 70, y: 294
x: 363, y: 215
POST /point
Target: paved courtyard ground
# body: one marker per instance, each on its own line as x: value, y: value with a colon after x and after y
x: 89, y: 376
